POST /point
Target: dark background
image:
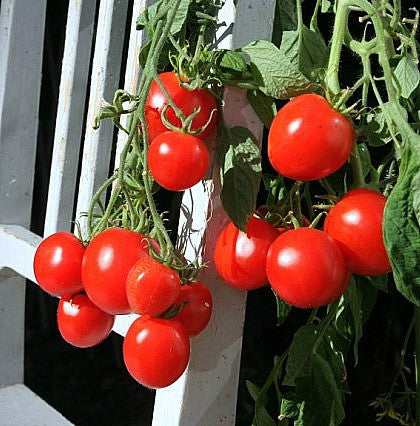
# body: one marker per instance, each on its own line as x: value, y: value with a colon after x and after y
x: 90, y: 386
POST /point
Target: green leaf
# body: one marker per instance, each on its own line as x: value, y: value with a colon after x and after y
x: 283, y: 310
x: 401, y: 223
x: 364, y: 158
x: 148, y: 19
x: 287, y: 12
x: 276, y: 75
x: 289, y: 409
x: 379, y: 281
x: 299, y: 361
x: 376, y: 127
x: 322, y: 398
x: 326, y: 6
x: 240, y: 163
x: 408, y: 76
x: 261, y: 415
x: 232, y: 61
x: 263, y: 105
x: 306, y: 49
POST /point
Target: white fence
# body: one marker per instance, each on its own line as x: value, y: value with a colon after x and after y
x: 206, y: 394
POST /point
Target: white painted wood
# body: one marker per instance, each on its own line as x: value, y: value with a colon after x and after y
x: 104, y: 82
x: 21, y: 40
x: 132, y: 71
x: 70, y: 114
x: 206, y: 394
x: 19, y: 406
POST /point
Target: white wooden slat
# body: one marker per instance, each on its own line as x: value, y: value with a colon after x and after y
x: 104, y: 82
x: 19, y: 406
x: 132, y: 71
x: 21, y: 39
x: 207, y: 392
x: 70, y: 112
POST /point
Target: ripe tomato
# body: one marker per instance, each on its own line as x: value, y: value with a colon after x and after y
x: 57, y: 264
x: 308, y: 139
x: 240, y: 258
x: 152, y: 287
x: 177, y: 161
x: 306, y: 268
x: 186, y: 100
x: 355, y: 224
x: 196, y: 313
x: 106, y: 263
x: 156, y: 351
x: 81, y: 323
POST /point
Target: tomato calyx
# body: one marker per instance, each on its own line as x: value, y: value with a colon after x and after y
x: 187, y: 122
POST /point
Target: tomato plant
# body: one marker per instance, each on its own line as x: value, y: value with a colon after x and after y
x: 306, y: 268
x: 177, y: 161
x: 186, y: 100
x: 240, y: 258
x: 356, y: 224
x: 197, y: 307
x: 308, y: 139
x: 106, y: 264
x: 81, y: 323
x: 57, y: 264
x: 152, y: 287
x: 156, y: 351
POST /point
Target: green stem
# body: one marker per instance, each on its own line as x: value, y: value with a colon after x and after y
x: 356, y: 165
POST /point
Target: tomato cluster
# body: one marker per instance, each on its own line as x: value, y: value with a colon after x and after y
x: 115, y: 274
x: 178, y: 158
x: 307, y: 267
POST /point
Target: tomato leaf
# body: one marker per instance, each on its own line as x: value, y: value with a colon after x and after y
x: 263, y: 105
x: 261, y: 415
x: 153, y: 13
x: 299, y: 361
x: 401, y: 222
x: 322, y: 398
x: 305, y: 49
x: 276, y: 75
x: 289, y: 409
x: 408, y: 76
x: 283, y: 310
x: 286, y: 10
x: 240, y: 164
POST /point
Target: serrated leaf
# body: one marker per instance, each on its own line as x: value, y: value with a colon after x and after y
x: 276, y: 75
x: 263, y: 105
x: 376, y: 128
x: 401, y: 223
x: 240, y: 164
x: 299, y: 361
x: 289, y: 409
x: 232, y: 61
x: 408, y: 76
x: 323, y: 399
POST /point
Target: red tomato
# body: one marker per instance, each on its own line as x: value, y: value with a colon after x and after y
x: 308, y: 139
x: 81, y: 323
x: 177, y: 161
x: 355, y: 224
x: 186, y: 100
x: 240, y: 258
x: 152, y: 287
x: 57, y: 264
x: 306, y: 268
x: 156, y: 351
x: 106, y: 263
x: 196, y: 313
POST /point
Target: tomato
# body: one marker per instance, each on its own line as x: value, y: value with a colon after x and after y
x: 57, y: 264
x: 81, y: 323
x: 308, y: 139
x: 355, y: 224
x: 306, y: 268
x: 240, y: 258
x: 186, y: 100
x: 196, y: 313
x: 156, y: 351
x: 152, y: 287
x: 177, y: 161
x: 106, y: 263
